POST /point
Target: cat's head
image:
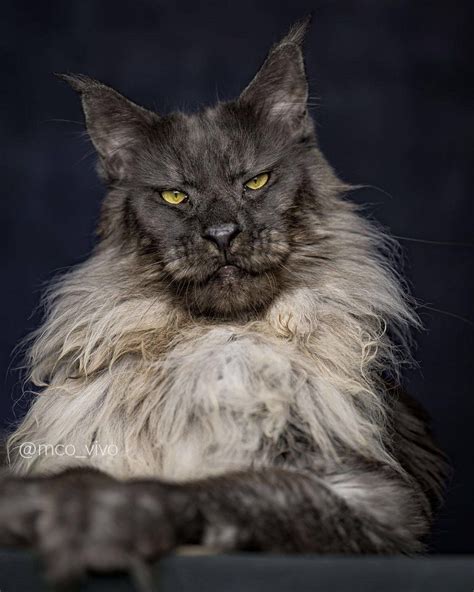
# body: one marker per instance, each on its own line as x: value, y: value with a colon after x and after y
x: 216, y: 200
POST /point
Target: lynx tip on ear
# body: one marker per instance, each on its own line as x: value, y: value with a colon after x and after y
x: 298, y: 31
x: 79, y: 82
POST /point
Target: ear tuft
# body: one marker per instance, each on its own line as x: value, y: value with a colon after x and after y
x: 79, y: 82
x: 297, y: 33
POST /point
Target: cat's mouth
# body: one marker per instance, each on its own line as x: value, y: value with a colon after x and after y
x: 228, y: 288
x: 227, y: 273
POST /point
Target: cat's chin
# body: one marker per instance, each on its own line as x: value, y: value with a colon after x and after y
x: 230, y: 292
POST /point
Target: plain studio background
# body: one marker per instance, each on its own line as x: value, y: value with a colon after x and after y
x: 392, y: 94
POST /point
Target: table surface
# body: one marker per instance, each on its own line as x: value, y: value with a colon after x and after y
x: 21, y: 572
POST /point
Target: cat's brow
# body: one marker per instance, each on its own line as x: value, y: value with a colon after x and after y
x: 250, y: 172
x: 162, y: 179
x: 240, y: 174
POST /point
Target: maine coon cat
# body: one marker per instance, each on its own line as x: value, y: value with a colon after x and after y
x: 236, y: 336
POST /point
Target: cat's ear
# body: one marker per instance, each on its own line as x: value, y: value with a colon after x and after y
x: 115, y: 124
x: 280, y: 87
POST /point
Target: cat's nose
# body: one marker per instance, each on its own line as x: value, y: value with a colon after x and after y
x: 222, y: 234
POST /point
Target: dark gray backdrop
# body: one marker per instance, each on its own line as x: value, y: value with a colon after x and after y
x: 393, y: 80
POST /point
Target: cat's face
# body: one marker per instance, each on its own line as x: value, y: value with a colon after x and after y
x: 238, y: 176
x: 210, y: 198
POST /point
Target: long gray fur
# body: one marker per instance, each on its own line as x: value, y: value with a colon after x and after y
x: 245, y: 389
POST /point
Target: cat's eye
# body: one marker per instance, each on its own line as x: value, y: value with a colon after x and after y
x: 258, y: 181
x: 174, y: 197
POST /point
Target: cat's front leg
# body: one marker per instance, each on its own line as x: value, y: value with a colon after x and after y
x: 82, y: 520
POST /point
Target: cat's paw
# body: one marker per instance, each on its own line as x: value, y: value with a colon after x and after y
x: 83, y: 520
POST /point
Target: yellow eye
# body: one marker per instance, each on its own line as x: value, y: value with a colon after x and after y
x: 258, y: 182
x: 173, y: 197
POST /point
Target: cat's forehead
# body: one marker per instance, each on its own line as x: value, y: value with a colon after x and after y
x: 208, y: 135
x: 220, y: 141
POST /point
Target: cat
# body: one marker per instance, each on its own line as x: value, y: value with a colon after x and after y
x: 235, y: 339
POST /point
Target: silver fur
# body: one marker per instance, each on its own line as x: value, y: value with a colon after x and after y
x: 183, y: 398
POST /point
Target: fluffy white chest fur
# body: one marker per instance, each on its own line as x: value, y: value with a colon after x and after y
x: 165, y: 395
